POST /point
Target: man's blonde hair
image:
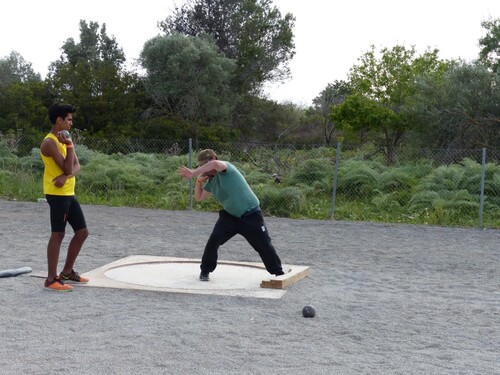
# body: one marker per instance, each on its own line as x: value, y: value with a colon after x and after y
x: 206, y: 154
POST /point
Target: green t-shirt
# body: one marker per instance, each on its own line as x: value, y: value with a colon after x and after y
x: 232, y: 191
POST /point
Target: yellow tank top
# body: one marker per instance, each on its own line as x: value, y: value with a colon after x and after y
x: 52, y: 170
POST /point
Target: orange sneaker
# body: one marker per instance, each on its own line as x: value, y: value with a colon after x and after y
x: 57, y: 286
x: 73, y: 278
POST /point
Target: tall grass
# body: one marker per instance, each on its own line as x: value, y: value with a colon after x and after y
x: 418, y: 192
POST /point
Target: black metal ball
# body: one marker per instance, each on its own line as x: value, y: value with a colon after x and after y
x: 308, y: 311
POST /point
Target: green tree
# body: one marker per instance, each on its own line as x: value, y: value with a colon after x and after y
x: 389, y: 82
x: 459, y: 110
x: 14, y: 68
x: 252, y: 32
x: 490, y: 44
x: 264, y: 120
x: 91, y: 75
x: 23, y: 107
x: 333, y: 94
x: 23, y: 99
x: 187, y: 77
x: 359, y: 113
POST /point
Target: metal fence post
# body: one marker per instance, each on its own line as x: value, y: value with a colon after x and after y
x: 481, y: 200
x: 335, y: 176
x: 191, y: 180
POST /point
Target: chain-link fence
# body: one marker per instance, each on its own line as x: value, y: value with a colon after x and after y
x: 341, y: 182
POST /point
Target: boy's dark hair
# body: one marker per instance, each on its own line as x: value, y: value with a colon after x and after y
x: 59, y: 110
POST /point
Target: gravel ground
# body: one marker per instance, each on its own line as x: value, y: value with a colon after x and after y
x: 390, y: 299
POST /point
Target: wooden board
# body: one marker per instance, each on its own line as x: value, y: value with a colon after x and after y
x: 280, y: 282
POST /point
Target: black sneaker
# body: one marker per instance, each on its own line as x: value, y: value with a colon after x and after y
x: 204, y: 276
x: 73, y: 278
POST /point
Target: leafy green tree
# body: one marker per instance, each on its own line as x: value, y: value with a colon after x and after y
x: 359, y: 113
x: 188, y: 78
x: 23, y: 107
x: 333, y: 94
x: 90, y: 74
x: 23, y: 99
x: 252, y: 32
x: 14, y: 68
x: 460, y: 110
x: 387, y: 83
x: 264, y: 120
x: 490, y: 44
x: 390, y: 78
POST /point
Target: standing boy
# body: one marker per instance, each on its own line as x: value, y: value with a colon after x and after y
x: 61, y: 165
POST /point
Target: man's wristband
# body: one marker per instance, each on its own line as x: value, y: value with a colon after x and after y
x: 199, y: 180
x: 69, y: 145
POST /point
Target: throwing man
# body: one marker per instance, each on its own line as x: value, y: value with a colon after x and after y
x: 241, y: 213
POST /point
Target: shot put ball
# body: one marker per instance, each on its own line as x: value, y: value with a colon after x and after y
x: 65, y: 134
x: 308, y: 311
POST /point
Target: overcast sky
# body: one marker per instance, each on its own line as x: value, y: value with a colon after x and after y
x: 329, y: 35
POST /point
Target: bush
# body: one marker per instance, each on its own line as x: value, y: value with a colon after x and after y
x: 358, y: 179
x: 285, y: 202
x: 312, y: 170
x: 416, y: 192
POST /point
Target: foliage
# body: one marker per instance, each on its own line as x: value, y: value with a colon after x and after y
x: 398, y: 178
x: 251, y: 32
x: 90, y: 75
x: 189, y: 78
x: 358, y: 178
x: 157, y: 126
x: 285, y: 202
x: 446, y: 105
x: 358, y: 113
x: 311, y: 170
x: 460, y: 110
x: 22, y: 94
x: 389, y: 78
x: 462, y: 176
x: 332, y: 95
x: 492, y: 183
x: 490, y: 44
x: 262, y: 120
x: 14, y: 68
x: 218, y: 133
x: 32, y: 162
x: 6, y: 151
x: 120, y: 173
x: 417, y: 192
x: 22, y: 106
x: 449, y: 190
x: 381, y: 87
x: 395, y: 187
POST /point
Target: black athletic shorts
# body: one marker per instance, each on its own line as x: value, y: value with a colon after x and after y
x: 65, y: 209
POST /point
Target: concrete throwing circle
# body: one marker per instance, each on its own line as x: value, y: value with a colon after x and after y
x: 185, y: 275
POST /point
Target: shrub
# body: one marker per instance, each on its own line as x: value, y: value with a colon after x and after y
x: 311, y: 170
x: 285, y: 202
x: 396, y: 179
x: 358, y: 179
x: 423, y: 200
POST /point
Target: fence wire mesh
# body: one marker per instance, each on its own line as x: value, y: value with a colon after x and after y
x: 344, y: 182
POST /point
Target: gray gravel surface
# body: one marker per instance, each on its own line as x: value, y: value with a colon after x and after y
x: 389, y: 299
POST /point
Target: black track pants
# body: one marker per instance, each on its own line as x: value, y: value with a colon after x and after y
x: 252, y: 227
